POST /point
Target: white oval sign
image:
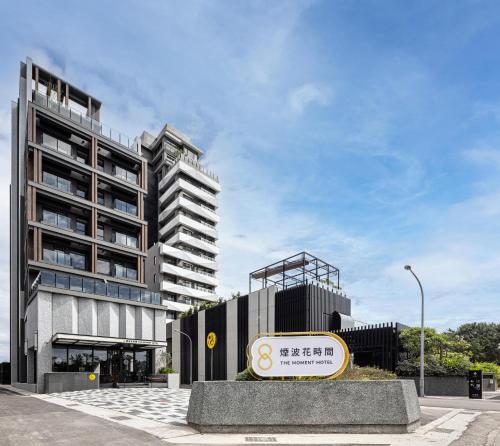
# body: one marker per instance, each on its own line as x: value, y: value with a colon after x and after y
x: 283, y: 355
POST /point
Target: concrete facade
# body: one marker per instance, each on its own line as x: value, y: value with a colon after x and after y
x: 261, y: 305
x: 231, y: 338
x: 49, y: 314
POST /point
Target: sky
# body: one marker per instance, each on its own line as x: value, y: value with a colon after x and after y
x: 366, y: 133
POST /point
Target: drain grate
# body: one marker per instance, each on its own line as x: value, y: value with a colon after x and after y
x: 261, y: 439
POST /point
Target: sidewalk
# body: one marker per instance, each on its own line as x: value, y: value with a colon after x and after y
x: 442, y: 424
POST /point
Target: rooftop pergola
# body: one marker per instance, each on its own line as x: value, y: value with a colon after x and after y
x: 296, y: 270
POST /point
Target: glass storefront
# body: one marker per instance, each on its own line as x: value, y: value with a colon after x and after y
x: 113, y: 364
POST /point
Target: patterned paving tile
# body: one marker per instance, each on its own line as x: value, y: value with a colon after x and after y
x: 164, y: 405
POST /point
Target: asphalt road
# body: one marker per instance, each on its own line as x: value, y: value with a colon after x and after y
x: 491, y: 401
x: 30, y: 421
x: 485, y: 430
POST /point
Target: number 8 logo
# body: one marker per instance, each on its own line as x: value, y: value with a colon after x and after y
x: 265, y: 356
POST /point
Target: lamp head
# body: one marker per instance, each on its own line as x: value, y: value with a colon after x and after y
x: 407, y: 267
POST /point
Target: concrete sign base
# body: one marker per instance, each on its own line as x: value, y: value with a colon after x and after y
x: 304, y: 406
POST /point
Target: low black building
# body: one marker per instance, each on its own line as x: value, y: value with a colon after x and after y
x: 300, y: 296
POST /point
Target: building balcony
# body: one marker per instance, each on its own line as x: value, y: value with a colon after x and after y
x: 99, y: 287
x: 187, y: 291
x: 182, y: 184
x: 193, y: 169
x: 86, y: 122
x: 188, y: 274
x: 184, y: 220
x: 188, y: 257
x: 193, y: 241
x: 195, y: 208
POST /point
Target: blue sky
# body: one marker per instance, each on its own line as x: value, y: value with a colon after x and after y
x: 367, y: 133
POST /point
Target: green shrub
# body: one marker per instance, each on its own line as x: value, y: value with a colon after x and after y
x: 366, y: 374
x: 167, y: 370
x: 353, y: 374
x: 453, y: 364
x: 489, y: 367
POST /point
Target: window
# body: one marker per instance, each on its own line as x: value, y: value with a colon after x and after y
x: 81, y: 156
x: 59, y: 359
x: 79, y: 359
x: 125, y: 240
x: 81, y: 191
x: 54, y: 181
x: 75, y: 283
x: 123, y: 206
x: 154, y: 278
x: 103, y: 267
x: 63, y: 221
x: 49, y: 218
x: 154, y: 260
x: 100, y: 232
x: 100, y: 165
x: 124, y: 174
x: 78, y: 261
x: 100, y: 198
x: 125, y: 272
x: 81, y: 227
x: 56, y: 144
x: 88, y: 285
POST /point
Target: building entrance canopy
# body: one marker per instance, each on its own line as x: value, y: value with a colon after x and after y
x: 104, y: 341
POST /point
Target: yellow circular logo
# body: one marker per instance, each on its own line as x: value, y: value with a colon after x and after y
x: 265, y: 362
x: 211, y: 340
x: 92, y: 377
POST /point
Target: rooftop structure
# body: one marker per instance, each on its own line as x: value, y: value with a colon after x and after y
x: 296, y: 270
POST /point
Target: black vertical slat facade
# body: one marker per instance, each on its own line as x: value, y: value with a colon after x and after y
x: 307, y: 308
x: 242, y: 332
x: 215, y: 320
x: 373, y: 345
x: 189, y: 325
x: 291, y: 309
x: 322, y: 303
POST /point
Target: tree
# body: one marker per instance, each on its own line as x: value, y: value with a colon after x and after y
x: 439, y: 344
x: 484, y: 339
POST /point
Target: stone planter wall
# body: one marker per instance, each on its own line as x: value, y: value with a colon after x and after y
x: 304, y: 406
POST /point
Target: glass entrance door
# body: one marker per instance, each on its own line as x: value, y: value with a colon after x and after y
x: 129, y: 365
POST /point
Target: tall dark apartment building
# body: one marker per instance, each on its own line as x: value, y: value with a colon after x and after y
x: 91, y: 219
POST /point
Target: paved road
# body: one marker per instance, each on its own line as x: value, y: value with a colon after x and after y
x: 490, y: 402
x: 30, y: 421
x: 485, y: 430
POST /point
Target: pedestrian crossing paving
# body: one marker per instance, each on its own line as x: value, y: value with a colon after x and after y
x: 159, y: 404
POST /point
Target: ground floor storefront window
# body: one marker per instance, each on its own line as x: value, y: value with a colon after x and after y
x: 113, y: 364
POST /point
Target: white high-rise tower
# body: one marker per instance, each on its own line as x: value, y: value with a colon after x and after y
x: 182, y: 265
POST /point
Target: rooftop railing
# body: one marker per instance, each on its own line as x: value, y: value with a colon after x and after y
x: 85, y: 121
x: 94, y: 286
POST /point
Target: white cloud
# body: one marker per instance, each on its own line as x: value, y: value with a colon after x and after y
x: 305, y: 95
x: 485, y: 157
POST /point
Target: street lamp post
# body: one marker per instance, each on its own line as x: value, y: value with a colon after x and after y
x: 190, y: 355
x: 422, y: 335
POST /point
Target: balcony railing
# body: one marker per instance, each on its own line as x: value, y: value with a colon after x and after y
x: 94, y: 286
x: 198, y: 166
x: 85, y: 121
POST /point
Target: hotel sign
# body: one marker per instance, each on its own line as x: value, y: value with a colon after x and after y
x: 320, y: 354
